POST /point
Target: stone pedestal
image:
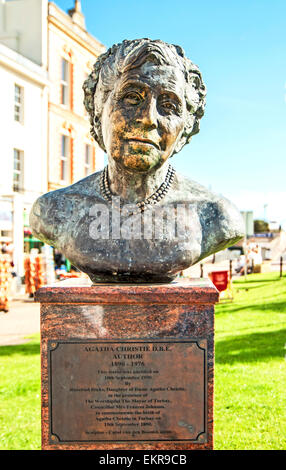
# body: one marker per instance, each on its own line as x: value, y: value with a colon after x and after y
x: 127, y: 366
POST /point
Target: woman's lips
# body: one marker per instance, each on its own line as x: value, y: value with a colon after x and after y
x: 141, y: 140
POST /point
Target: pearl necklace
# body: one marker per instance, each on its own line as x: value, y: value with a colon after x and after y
x: 157, y: 196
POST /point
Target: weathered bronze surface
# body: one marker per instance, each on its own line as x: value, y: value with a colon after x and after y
x: 138, y: 221
x: 127, y: 390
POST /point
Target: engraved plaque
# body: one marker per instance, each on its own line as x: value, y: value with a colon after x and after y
x: 127, y: 390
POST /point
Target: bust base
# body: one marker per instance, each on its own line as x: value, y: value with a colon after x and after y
x: 131, y: 278
x: 83, y: 327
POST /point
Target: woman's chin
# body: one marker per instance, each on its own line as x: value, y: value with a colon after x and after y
x: 140, y: 162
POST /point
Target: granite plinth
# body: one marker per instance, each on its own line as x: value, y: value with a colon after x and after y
x: 88, y: 399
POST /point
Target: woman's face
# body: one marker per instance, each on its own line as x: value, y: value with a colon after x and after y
x: 144, y: 116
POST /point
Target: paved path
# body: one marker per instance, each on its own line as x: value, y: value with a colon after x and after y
x: 23, y: 319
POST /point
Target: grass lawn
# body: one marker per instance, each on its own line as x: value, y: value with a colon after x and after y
x: 250, y: 365
x: 250, y: 378
x: 20, y: 396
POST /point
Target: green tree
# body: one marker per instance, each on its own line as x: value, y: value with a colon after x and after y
x: 261, y: 226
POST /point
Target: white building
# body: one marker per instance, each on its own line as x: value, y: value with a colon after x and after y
x: 45, y: 55
x: 23, y: 121
x: 73, y: 154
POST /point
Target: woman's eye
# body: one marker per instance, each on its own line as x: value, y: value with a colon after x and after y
x: 169, y: 106
x: 132, y: 98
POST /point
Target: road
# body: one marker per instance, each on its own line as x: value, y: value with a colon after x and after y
x: 23, y: 319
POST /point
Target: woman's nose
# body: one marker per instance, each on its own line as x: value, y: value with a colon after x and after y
x: 147, y: 114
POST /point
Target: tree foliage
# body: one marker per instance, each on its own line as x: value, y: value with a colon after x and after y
x: 260, y: 226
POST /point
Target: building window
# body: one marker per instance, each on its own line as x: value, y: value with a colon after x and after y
x: 18, y: 103
x: 65, y: 157
x: 88, y: 160
x: 18, y: 170
x: 65, y: 82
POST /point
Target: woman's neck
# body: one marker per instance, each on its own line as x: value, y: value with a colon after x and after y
x: 134, y: 187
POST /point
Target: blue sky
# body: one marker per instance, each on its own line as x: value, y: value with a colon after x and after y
x: 240, y: 47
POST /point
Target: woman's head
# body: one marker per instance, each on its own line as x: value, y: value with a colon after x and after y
x: 123, y: 60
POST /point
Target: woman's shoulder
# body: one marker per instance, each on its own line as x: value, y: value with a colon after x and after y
x: 221, y: 221
x: 53, y: 210
x: 193, y: 192
x: 85, y: 187
x: 88, y: 186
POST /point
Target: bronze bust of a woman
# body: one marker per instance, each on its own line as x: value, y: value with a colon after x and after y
x: 138, y: 220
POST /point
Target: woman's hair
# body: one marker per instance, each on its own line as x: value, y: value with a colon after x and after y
x: 132, y: 54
